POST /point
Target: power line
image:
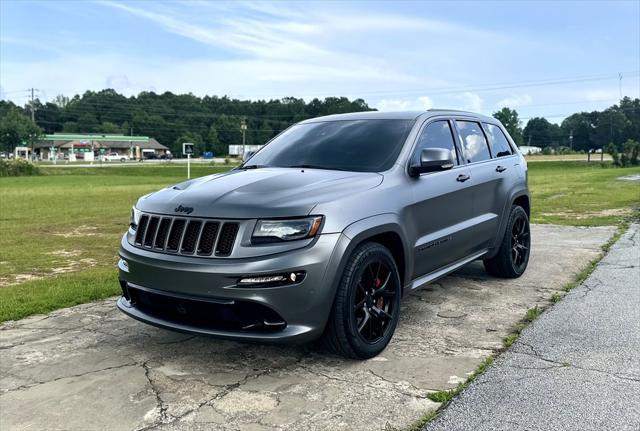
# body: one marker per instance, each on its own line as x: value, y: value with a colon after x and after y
x: 483, y: 87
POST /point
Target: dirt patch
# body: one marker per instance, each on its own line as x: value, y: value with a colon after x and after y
x: 632, y: 177
x: 73, y: 266
x: 613, y: 212
x: 80, y: 231
x: 65, y: 253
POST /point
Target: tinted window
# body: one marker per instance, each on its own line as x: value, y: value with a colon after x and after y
x: 355, y: 145
x: 498, y: 141
x: 437, y: 135
x: 474, y: 142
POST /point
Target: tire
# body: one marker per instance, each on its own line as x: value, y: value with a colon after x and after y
x: 366, y: 308
x: 513, y: 256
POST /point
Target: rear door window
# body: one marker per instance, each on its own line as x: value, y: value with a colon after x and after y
x: 473, y: 141
x: 498, y: 141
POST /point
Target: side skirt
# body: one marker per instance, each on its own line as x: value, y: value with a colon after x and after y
x: 439, y: 273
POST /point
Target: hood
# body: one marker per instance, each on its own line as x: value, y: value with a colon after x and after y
x: 257, y: 193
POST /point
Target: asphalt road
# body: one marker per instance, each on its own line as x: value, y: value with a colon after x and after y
x: 90, y: 367
x: 575, y: 368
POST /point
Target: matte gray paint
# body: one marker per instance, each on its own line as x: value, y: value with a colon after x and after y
x: 443, y: 223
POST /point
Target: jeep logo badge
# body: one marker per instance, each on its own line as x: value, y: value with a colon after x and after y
x: 186, y: 210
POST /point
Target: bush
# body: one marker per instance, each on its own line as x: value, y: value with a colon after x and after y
x: 631, y: 149
x: 613, y: 151
x: 17, y: 168
x: 628, y: 156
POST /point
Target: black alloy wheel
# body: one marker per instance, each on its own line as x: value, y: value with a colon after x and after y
x: 373, y: 308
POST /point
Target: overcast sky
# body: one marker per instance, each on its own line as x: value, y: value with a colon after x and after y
x: 543, y: 58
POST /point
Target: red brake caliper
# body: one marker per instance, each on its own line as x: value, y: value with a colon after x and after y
x: 379, y: 301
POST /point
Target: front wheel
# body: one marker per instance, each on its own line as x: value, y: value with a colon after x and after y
x: 367, y: 304
x: 513, y: 256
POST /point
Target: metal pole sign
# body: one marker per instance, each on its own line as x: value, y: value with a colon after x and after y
x: 187, y: 149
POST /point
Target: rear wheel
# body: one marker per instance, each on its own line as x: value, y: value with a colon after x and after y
x: 367, y: 305
x: 513, y: 256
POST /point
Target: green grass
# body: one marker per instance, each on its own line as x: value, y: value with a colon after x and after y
x: 72, y: 219
x: 582, y: 194
x: 66, y: 290
x: 447, y: 395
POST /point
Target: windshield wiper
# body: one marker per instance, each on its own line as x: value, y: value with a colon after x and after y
x: 251, y: 166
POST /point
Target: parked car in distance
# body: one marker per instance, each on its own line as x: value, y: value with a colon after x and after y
x: 115, y: 157
x: 322, y: 231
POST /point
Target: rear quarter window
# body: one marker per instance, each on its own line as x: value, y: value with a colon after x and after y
x: 499, y: 143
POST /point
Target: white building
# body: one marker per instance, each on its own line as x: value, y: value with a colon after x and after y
x: 526, y: 150
x: 236, y: 150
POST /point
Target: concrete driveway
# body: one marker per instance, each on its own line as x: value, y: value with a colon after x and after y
x: 90, y: 367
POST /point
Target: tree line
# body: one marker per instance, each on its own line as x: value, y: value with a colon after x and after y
x: 582, y: 131
x: 213, y: 123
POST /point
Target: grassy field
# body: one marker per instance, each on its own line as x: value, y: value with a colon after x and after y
x: 582, y: 194
x: 595, y: 158
x: 60, y: 232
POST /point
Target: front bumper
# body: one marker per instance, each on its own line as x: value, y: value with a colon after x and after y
x: 207, y: 287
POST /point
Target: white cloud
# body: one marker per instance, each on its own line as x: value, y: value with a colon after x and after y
x: 418, y: 104
x: 471, y: 101
x: 598, y: 95
x: 515, y: 101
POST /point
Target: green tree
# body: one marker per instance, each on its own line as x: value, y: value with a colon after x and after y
x: 190, y: 137
x: 541, y: 133
x: 214, y: 143
x: 511, y: 122
x: 110, y: 128
x: 16, y: 129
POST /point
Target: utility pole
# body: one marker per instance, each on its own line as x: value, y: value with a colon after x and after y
x: 33, y: 106
x: 620, y: 84
x: 243, y: 127
x: 33, y: 119
x: 571, y: 140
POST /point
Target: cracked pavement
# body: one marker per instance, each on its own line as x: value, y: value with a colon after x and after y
x: 577, y: 367
x: 90, y: 367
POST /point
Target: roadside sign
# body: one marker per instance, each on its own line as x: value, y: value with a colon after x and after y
x: 187, y: 148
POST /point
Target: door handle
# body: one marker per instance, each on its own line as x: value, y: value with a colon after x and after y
x: 462, y: 178
x: 501, y: 169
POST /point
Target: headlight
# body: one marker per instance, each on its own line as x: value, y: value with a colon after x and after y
x: 286, y: 230
x: 135, y: 218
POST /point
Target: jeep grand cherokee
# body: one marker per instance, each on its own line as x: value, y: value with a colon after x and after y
x: 322, y: 231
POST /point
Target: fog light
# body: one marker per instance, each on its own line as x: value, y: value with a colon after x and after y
x: 258, y: 280
x: 273, y: 279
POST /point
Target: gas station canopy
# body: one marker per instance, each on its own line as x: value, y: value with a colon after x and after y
x: 113, y: 138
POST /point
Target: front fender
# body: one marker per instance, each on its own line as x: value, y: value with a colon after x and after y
x: 358, y: 232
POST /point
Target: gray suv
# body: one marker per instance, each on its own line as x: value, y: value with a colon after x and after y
x: 322, y: 231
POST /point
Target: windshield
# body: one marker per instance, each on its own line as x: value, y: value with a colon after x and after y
x: 354, y: 145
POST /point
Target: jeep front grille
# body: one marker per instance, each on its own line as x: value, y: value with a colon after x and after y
x: 186, y: 236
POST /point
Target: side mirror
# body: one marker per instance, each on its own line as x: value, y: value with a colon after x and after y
x: 248, y: 155
x: 432, y: 160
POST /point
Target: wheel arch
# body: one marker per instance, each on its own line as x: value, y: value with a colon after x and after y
x: 385, y: 230
x: 523, y: 201
x: 521, y: 198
